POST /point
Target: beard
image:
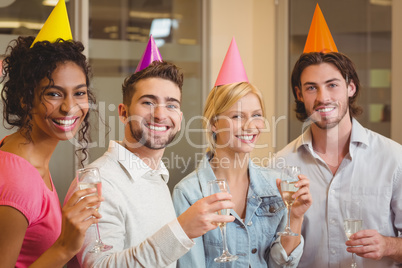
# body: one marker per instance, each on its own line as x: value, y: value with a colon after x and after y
x: 150, y: 141
x: 325, y: 122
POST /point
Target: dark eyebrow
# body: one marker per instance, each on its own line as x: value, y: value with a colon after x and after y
x: 332, y: 80
x: 326, y: 82
x: 155, y: 98
x: 170, y: 99
x: 309, y: 84
x: 152, y: 97
x: 62, y: 88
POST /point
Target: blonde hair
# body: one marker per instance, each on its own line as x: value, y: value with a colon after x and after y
x: 221, y: 99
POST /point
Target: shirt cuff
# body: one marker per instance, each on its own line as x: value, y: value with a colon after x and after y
x: 280, y: 256
x: 181, y: 236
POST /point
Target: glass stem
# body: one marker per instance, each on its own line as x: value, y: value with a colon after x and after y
x: 223, y: 232
x: 353, y: 261
x: 97, y: 238
x: 288, y: 223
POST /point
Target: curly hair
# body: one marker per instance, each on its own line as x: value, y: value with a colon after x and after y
x: 23, y: 69
x: 158, y: 69
x: 341, y: 62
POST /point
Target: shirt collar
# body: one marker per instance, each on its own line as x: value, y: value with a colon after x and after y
x: 204, y: 170
x: 135, y: 167
x: 358, y: 136
x: 259, y: 189
x: 359, y: 133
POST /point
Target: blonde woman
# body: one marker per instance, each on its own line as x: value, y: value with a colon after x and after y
x: 233, y: 119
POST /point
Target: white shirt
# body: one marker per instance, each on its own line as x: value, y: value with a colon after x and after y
x: 371, y: 172
x: 138, y: 218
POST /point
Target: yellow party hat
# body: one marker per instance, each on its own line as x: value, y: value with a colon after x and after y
x: 319, y: 37
x: 56, y: 26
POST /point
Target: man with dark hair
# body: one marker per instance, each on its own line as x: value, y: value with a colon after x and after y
x: 138, y: 218
x: 344, y: 161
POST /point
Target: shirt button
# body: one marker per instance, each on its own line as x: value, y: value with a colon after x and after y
x: 271, y: 209
x: 332, y: 221
x: 332, y: 191
x: 333, y: 252
x: 254, y: 250
x: 249, y: 223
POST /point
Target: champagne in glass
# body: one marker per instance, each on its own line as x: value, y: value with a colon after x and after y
x: 289, y: 177
x: 352, y: 222
x: 352, y: 226
x: 90, y: 178
x: 217, y: 186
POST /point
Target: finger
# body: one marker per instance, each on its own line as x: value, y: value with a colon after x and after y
x: 217, y: 197
x: 89, y: 199
x: 301, y: 192
x: 79, y: 194
x: 278, y: 184
x: 87, y: 223
x: 375, y: 255
x: 362, y: 249
x: 303, y: 182
x: 82, y: 205
x: 303, y: 200
x: 89, y: 213
x: 222, y: 218
x: 215, y: 207
x: 364, y: 234
x: 302, y: 177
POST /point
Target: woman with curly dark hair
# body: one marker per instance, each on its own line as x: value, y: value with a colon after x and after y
x: 46, y: 96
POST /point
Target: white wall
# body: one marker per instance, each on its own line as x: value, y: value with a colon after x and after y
x: 252, y: 23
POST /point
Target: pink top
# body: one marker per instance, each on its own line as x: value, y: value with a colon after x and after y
x: 22, y: 188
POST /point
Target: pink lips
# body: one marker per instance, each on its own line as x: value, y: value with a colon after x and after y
x: 158, y: 128
x: 325, y: 110
x: 247, y: 141
x: 66, y: 124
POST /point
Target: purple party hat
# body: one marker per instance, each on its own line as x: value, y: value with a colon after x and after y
x: 150, y: 55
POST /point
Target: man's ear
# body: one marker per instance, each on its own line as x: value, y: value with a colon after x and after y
x: 299, y: 94
x: 351, y: 89
x: 123, y: 113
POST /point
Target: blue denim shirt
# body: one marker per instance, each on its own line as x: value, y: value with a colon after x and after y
x: 254, y: 240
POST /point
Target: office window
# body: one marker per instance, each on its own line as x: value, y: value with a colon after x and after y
x: 362, y: 30
x: 118, y: 33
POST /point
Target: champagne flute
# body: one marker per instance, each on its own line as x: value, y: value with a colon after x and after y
x: 289, y: 177
x: 90, y: 178
x: 352, y: 222
x: 217, y: 186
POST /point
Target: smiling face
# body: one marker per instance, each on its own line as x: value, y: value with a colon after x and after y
x: 153, y: 117
x: 325, y: 94
x: 238, y: 128
x: 60, y: 108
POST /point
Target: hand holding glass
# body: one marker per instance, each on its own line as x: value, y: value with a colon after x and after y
x: 352, y: 221
x: 289, y: 177
x: 90, y: 178
x: 218, y: 186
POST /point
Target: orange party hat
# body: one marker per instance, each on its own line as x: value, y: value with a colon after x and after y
x: 319, y: 37
x: 232, y: 70
x: 56, y: 26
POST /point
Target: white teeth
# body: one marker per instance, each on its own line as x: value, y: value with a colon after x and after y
x: 247, y: 138
x: 157, y: 128
x: 325, y: 110
x: 64, y: 122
